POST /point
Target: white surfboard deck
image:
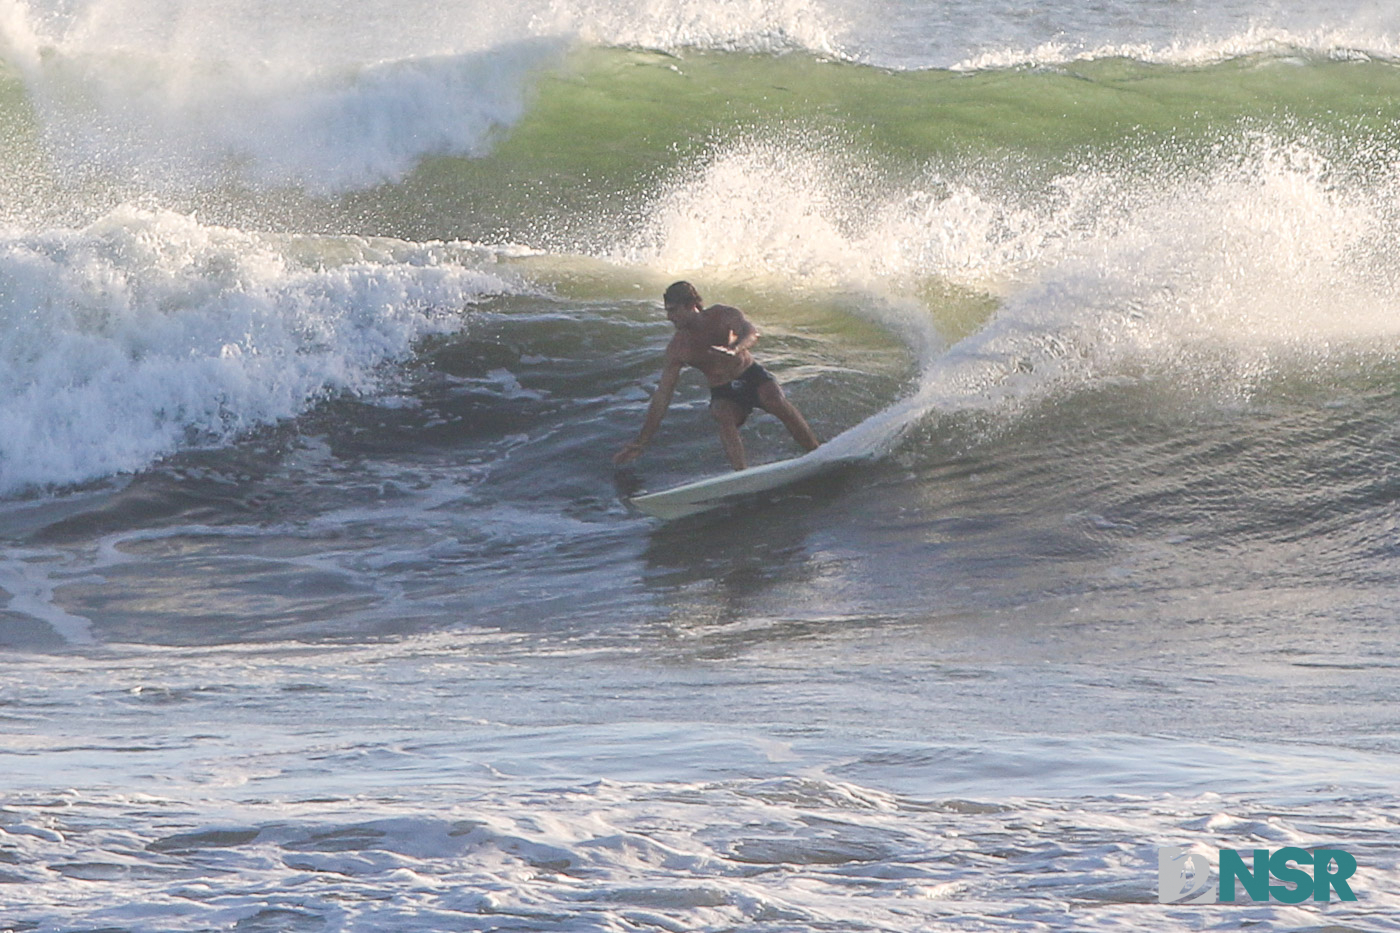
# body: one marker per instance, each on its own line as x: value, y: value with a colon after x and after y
x: 863, y: 442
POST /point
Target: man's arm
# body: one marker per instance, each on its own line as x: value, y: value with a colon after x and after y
x: 660, y: 401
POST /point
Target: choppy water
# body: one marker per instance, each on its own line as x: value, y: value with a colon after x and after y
x: 317, y: 334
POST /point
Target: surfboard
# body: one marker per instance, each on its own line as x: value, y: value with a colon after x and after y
x: 710, y: 493
x: 703, y: 495
x: 868, y: 440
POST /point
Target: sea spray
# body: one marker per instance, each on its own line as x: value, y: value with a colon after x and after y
x: 1268, y: 255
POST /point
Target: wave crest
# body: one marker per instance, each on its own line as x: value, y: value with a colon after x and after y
x: 1270, y: 42
x: 148, y: 331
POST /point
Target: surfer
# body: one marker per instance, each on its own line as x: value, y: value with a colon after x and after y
x: 716, y: 341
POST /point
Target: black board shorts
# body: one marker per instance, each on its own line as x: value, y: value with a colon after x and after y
x: 744, y: 390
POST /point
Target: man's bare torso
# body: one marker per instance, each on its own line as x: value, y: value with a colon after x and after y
x: 694, y: 345
x: 716, y: 341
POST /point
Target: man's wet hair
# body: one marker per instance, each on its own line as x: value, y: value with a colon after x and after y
x: 682, y: 294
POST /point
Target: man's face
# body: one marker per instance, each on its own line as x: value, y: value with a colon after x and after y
x: 681, y: 315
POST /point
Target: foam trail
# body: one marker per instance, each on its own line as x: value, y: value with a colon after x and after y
x: 31, y: 593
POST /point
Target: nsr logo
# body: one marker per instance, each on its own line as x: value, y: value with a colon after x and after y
x: 1184, y: 877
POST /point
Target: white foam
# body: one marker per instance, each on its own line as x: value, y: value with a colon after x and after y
x: 667, y: 855
x: 148, y: 331
x: 1346, y: 43
x: 748, y: 25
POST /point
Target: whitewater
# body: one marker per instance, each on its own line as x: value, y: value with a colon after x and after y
x: 321, y: 603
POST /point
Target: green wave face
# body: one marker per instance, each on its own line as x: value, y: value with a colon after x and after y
x: 612, y: 124
x: 603, y: 130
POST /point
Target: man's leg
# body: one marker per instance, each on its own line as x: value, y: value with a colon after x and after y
x: 770, y: 394
x: 728, y: 416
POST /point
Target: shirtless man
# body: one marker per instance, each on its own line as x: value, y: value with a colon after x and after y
x: 716, y: 341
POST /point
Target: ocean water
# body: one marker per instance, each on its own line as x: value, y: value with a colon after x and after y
x: 322, y: 606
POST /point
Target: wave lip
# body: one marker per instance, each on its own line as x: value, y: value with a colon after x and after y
x: 147, y: 332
